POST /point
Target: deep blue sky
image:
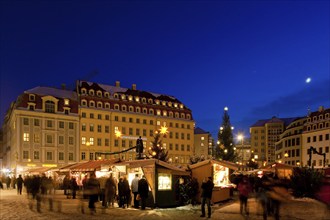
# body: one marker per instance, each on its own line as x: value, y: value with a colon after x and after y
x: 252, y: 56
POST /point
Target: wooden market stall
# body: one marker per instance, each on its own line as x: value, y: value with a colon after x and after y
x: 280, y: 169
x: 162, y: 178
x: 220, y: 172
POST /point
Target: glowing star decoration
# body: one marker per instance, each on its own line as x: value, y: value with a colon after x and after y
x: 117, y: 134
x: 308, y: 80
x: 163, y: 130
x: 226, y: 108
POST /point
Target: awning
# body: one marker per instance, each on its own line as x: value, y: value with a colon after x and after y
x: 224, y: 163
x: 93, y: 165
x: 38, y: 170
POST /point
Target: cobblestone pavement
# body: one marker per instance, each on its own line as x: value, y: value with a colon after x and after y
x: 13, y: 206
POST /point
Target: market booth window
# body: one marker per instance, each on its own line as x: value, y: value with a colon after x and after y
x: 221, y: 174
x: 164, y: 181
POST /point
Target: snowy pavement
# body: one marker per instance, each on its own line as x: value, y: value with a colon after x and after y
x: 13, y: 206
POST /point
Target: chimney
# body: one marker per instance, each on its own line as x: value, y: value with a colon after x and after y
x: 63, y: 86
x: 133, y: 86
x: 321, y: 108
x: 117, y: 84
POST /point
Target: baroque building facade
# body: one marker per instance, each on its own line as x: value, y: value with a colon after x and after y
x: 49, y: 127
x: 203, y: 143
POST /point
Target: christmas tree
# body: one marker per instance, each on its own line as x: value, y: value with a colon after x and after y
x: 225, y: 144
x: 157, y: 151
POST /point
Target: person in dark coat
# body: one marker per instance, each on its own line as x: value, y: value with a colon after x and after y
x: 74, y: 187
x: 93, y: 188
x: 110, y: 191
x: 207, y: 189
x: 19, y: 182
x: 143, y: 189
x: 244, y: 188
x: 8, y: 182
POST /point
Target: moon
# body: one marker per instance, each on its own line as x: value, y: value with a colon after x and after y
x: 308, y: 80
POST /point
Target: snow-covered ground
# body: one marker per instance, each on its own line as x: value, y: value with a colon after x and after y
x: 13, y: 206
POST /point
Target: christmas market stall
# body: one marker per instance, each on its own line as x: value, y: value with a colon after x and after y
x: 220, y: 172
x: 162, y: 177
x: 283, y: 171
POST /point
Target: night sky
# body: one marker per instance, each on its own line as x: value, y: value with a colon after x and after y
x: 252, y: 56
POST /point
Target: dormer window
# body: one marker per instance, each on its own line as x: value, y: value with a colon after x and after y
x: 137, y: 99
x: 116, y: 107
x: 50, y: 107
x: 32, y: 97
x: 66, y: 102
x: 107, y: 94
x: 181, y: 105
x: 151, y: 111
x: 320, y: 117
x: 163, y: 103
x: 171, y: 114
x: 124, y: 108
x: 188, y: 116
x: 169, y: 104
x: 123, y: 97
x: 130, y: 98
x: 157, y: 102
x: 144, y: 100
x: 314, y: 118
x: 158, y: 112
x: 115, y: 95
x: 131, y: 109
x: 182, y: 115
x: 107, y: 105
x: 91, y: 92
x: 327, y: 115
x: 99, y: 105
x: 99, y: 93
x: 175, y: 105
x: 164, y: 113
x: 138, y: 109
x: 83, y: 91
x: 150, y: 101
x: 91, y: 104
x: 144, y: 110
x: 84, y: 102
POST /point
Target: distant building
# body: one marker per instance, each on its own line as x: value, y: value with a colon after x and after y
x: 264, y: 135
x: 316, y: 134
x: 203, y: 143
x: 243, y: 150
x: 289, y: 146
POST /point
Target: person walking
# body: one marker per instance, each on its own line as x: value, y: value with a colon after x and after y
x: 110, y: 191
x: 73, y: 187
x: 135, y: 190
x: 93, y: 186
x: 207, y: 189
x: 8, y: 181
x: 143, y: 189
x: 19, y: 182
x: 244, y: 189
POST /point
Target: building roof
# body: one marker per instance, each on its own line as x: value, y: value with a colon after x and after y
x: 93, y: 165
x: 198, y: 130
x: 224, y: 163
x: 58, y: 93
x: 286, y: 121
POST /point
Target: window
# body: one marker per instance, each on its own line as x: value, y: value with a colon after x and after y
x: 26, y: 137
x: 71, y: 140
x: 107, y: 117
x: 138, y: 121
x: 49, y: 139
x: 91, y: 141
x: 106, y: 129
x: 49, y: 155
x: 91, y: 127
x: 49, y: 124
x: 25, y: 121
x: 164, y: 181
x: 31, y: 97
x: 83, y: 140
x: 83, y: 156
x: 36, y: 122
x: 25, y: 154
x: 36, y: 138
x: 83, y: 127
x: 182, y: 147
x: 71, y: 125
x: 326, y: 149
x: 36, y: 155
x: 91, y: 156
x: 61, y: 124
x: 99, y: 128
x: 99, y: 142
x: 106, y: 142
x: 116, y: 118
x: 49, y: 107
x: 61, y: 139
x: 99, y: 105
x: 70, y: 156
x: 91, y: 115
x: 83, y: 115
x: 66, y: 101
x: 60, y: 156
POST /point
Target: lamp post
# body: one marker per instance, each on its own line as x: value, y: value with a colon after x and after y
x: 241, y: 138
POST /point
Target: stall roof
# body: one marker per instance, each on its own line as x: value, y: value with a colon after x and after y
x: 224, y: 163
x: 68, y: 167
x: 154, y: 162
x: 278, y: 166
x: 93, y: 165
x: 39, y: 170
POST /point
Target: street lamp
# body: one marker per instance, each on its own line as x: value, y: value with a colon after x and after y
x: 241, y: 138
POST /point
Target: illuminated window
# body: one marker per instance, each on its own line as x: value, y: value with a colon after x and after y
x: 221, y: 175
x: 164, y: 181
x: 91, y: 141
x: 66, y: 101
x: 36, y: 155
x: 83, y: 140
x: 26, y: 137
x: 36, y: 138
